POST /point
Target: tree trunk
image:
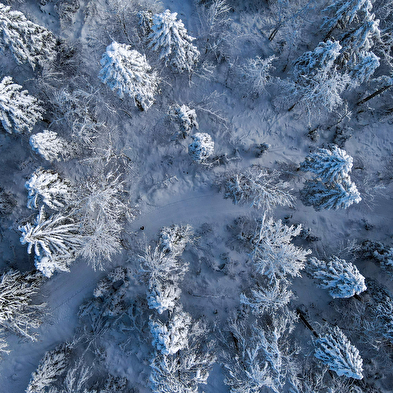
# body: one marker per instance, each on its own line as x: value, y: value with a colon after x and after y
x: 376, y: 93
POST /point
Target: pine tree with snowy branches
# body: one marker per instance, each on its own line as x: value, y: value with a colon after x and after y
x: 330, y: 166
x: 18, y: 110
x: 341, y: 278
x: 18, y: 313
x: 320, y: 60
x: 50, y: 146
x: 169, y: 37
x: 258, y: 187
x: 127, y: 72
x: 333, y: 196
x: 363, y: 70
x: 186, y: 118
x: 273, y: 253
x: 162, y: 295
x: 256, y: 73
x: 171, y: 336
x: 46, y: 186
x: 27, y: 41
x: 336, y: 351
x: 51, y: 367
x: 175, y: 238
x: 56, y: 241
x: 344, y: 12
x: 201, y: 148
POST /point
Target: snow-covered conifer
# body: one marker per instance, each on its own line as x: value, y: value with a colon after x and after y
x: 383, y: 254
x: 258, y: 187
x: 344, y: 12
x: 341, y: 278
x: 364, y: 68
x: 202, y: 147
x: 18, y: 110
x: 56, y: 240
x: 18, y: 313
x: 335, y: 350
x: 322, y: 90
x: 76, y: 379
x: 185, y: 370
x: 45, y: 186
x: 49, y: 145
x: 170, y: 38
x: 358, y: 41
x: 158, y: 264
x: 267, y: 298
x: 262, y: 356
x: 335, y: 196
x: 145, y: 22
x: 171, y: 336
x: 50, y: 368
x: 256, y: 73
x: 175, y: 238
x: 162, y: 295
x: 27, y: 41
x: 273, y: 253
x: 320, y: 60
x: 330, y: 166
x: 127, y: 72
x: 186, y: 118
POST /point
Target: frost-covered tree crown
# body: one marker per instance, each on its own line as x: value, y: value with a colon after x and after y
x: 274, y: 255
x: 49, y: 145
x: 258, y: 187
x: 18, y: 110
x: 335, y: 350
x: 329, y: 165
x: 28, y: 42
x: 202, y: 147
x: 127, y: 72
x: 170, y: 38
x: 47, y: 187
x: 341, y: 278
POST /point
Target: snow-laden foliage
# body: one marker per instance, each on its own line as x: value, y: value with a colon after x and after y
x: 320, y: 60
x: 77, y: 378
x: 383, y: 254
x: 158, y: 264
x: 145, y: 22
x: 322, y: 90
x: 273, y: 253
x: 339, y: 195
x: 336, y: 351
x: 360, y: 40
x: 46, y: 186
x: 171, y: 336
x: 101, y: 210
x: 256, y: 73
x: 162, y: 295
x: 341, y: 278
x: 186, y: 118
x: 185, y: 370
x: 262, y: 356
x: 267, y: 298
x: 202, y: 147
x: 27, y: 41
x: 127, y: 72
x: 18, y: 313
x: 18, y: 110
x: 50, y: 146
x: 169, y: 37
x: 344, y: 12
x: 56, y: 241
x: 51, y: 367
x: 175, y: 238
x: 330, y: 166
x: 258, y: 187
x: 362, y: 71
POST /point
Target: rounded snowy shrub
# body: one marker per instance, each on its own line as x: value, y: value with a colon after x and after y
x: 202, y: 147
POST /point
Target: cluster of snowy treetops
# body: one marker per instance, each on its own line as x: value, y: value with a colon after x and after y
x: 87, y: 220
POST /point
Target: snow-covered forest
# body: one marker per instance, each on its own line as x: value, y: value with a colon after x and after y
x: 195, y: 196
